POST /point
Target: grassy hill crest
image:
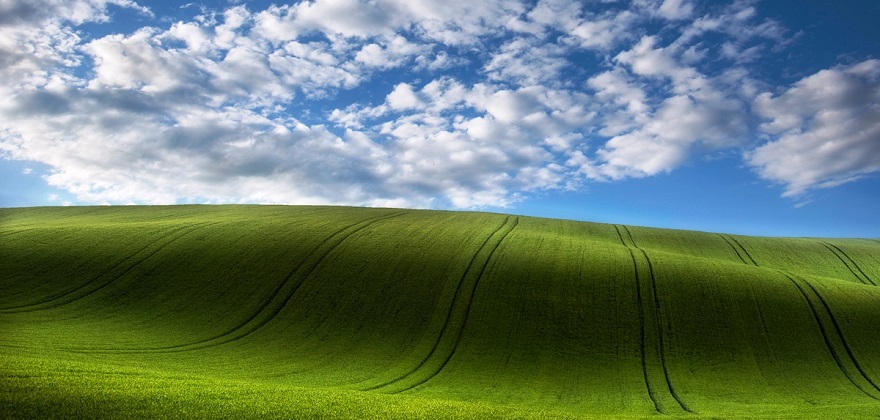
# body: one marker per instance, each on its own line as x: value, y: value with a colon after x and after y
x: 337, y: 312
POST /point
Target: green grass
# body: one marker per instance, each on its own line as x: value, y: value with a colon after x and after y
x: 333, y: 312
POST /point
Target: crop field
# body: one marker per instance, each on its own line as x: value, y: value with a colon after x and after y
x: 336, y: 312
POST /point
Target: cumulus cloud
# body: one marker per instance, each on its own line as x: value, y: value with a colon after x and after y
x: 403, y: 97
x: 412, y: 103
x: 654, y: 133
x: 18, y: 12
x: 680, y: 126
x: 454, y: 22
x: 524, y: 62
x: 675, y: 9
x: 824, y: 130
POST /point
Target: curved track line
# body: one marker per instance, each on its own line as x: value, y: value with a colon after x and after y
x: 658, y: 314
x: 835, y: 353
x: 839, y: 331
x: 268, y: 309
x: 13, y: 232
x: 457, y: 301
x: 468, y: 306
x: 843, y: 257
x: 660, y: 336
x: 744, y: 250
x: 25, y: 308
x: 651, y: 393
x: 53, y: 302
x: 735, y: 250
x: 449, y: 312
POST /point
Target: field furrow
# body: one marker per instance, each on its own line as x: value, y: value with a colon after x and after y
x: 834, y: 338
x: 15, y: 232
x: 652, y: 317
x: 734, y: 248
x: 456, y: 318
x: 849, y: 263
x: 337, y: 312
x: 642, y: 338
x: 110, y: 276
x: 744, y: 250
x: 838, y: 330
x: 282, y: 294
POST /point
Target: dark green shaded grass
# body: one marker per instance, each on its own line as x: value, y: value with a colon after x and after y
x: 304, y: 312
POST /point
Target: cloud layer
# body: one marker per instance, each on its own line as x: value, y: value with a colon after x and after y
x: 415, y: 103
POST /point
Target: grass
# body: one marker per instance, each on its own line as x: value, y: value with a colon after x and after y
x: 332, y: 312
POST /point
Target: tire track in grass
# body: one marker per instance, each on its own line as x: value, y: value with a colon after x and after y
x: 742, y: 250
x: 456, y: 317
x: 839, y: 332
x: 749, y: 260
x: 653, y: 312
x: 849, y: 263
x: 735, y: 250
x: 280, y: 296
x: 764, y: 328
x: 651, y: 394
x: 834, y: 339
x: 658, y: 316
x: 13, y: 232
x: 93, y: 286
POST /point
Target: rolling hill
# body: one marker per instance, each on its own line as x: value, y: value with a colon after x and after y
x: 334, y: 312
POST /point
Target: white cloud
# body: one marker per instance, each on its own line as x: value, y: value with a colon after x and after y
x: 350, y: 101
x: 440, y: 60
x: 349, y: 17
x: 604, y: 32
x: 474, y: 146
x: 646, y: 59
x: 393, y: 53
x: 192, y: 34
x: 223, y: 155
x: 403, y: 97
x: 824, y: 130
x: 34, y: 12
x: 460, y: 22
x: 680, y: 126
x: 675, y: 9
x: 455, y: 22
x: 659, y: 111
x: 562, y: 14
x: 138, y: 62
x: 311, y: 68
x: 525, y: 63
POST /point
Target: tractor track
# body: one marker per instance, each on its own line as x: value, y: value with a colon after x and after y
x: 734, y: 248
x: 843, y: 340
x: 14, y: 232
x: 843, y: 257
x: 451, y: 328
x: 658, y: 325
x: 836, y: 354
x: 744, y: 251
x: 59, y: 300
x: 651, y: 394
x: 279, y: 298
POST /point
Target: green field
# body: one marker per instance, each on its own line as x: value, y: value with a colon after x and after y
x: 334, y: 312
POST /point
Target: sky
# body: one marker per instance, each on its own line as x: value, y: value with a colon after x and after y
x: 743, y: 116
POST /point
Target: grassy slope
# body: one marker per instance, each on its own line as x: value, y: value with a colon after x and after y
x: 236, y: 311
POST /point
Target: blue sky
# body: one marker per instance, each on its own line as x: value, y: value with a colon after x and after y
x: 753, y: 117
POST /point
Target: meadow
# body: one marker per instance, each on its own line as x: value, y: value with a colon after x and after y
x: 336, y: 312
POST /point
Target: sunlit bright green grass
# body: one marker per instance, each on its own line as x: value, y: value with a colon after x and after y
x: 332, y: 312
